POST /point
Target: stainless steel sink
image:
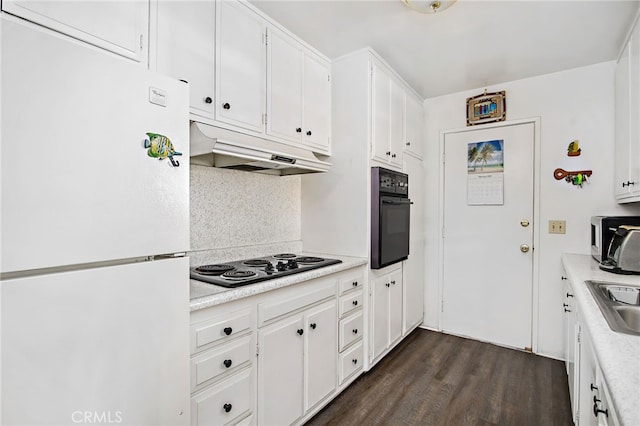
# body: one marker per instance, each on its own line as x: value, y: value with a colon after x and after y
x: 620, y: 305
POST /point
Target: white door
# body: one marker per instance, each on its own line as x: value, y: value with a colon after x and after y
x: 190, y: 56
x: 413, y: 269
x: 284, y: 87
x: 112, y: 341
x: 395, y: 305
x: 381, y: 103
x: 280, y: 372
x: 396, y: 123
x: 380, y: 326
x: 321, y: 362
x: 317, y: 103
x: 240, y: 65
x: 488, y: 259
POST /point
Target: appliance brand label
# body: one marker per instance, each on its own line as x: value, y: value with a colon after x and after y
x: 158, y: 96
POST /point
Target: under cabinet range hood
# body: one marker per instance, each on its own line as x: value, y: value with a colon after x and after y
x: 217, y: 147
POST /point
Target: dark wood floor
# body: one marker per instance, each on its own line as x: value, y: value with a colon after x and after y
x: 437, y: 379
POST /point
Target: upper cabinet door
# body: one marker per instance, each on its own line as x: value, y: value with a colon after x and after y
x: 317, y: 104
x: 190, y: 56
x: 622, y: 136
x: 381, y: 100
x: 284, y: 87
x: 118, y: 26
x: 240, y: 55
x: 396, y: 123
x: 414, y: 117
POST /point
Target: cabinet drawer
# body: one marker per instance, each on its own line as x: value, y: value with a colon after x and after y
x: 216, y: 329
x: 223, y: 403
x: 350, y: 362
x: 352, y: 282
x: 211, y: 364
x: 270, y: 310
x: 350, y: 303
x: 350, y: 330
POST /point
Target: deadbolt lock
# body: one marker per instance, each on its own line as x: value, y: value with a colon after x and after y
x: 524, y: 223
x: 524, y: 248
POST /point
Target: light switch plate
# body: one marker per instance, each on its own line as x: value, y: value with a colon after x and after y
x: 557, y: 227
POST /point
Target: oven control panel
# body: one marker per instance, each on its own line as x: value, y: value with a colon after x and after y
x: 391, y: 182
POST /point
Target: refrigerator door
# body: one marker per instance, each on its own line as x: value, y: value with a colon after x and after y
x: 77, y: 184
x: 103, y: 345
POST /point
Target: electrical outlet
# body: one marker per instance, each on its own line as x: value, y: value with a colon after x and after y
x: 557, y: 227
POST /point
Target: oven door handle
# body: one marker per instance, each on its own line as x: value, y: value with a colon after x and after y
x: 398, y: 202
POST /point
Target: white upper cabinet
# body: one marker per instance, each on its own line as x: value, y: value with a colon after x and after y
x: 393, y: 119
x: 284, y: 87
x: 298, y: 93
x: 118, y: 26
x: 240, y: 58
x: 190, y: 56
x: 381, y: 110
x: 316, y: 103
x: 414, y: 118
x: 627, y: 121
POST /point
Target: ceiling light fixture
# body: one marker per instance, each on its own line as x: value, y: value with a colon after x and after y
x: 428, y: 6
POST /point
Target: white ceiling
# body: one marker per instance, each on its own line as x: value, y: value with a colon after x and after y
x: 474, y: 43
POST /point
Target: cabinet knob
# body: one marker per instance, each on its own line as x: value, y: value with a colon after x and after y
x: 597, y: 410
x: 355, y: 303
x: 228, y: 330
x: 388, y: 152
x: 226, y: 105
x: 355, y: 360
x: 308, y: 132
x: 593, y: 387
x: 393, y: 282
x: 569, y: 295
x: 227, y: 407
x: 567, y: 310
x: 227, y: 363
x: 563, y: 278
x: 565, y: 305
x: 387, y: 284
x: 393, y: 156
x: 208, y: 100
x: 355, y: 283
x: 313, y: 325
x: 408, y: 144
x: 627, y: 183
x: 355, y: 331
x: 300, y: 331
x: 298, y: 130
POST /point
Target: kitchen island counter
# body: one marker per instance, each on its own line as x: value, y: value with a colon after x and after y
x: 618, y: 354
x: 204, y: 295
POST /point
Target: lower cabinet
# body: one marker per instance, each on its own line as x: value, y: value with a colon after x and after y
x: 386, y: 324
x: 297, y: 360
x: 571, y: 334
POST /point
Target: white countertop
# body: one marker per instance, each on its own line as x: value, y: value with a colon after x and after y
x: 618, y: 354
x: 204, y: 295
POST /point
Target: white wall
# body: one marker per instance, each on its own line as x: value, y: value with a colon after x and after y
x: 235, y: 209
x: 574, y: 104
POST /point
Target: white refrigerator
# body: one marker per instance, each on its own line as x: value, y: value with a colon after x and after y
x: 94, y: 226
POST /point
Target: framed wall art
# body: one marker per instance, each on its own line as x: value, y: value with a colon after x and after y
x: 486, y: 108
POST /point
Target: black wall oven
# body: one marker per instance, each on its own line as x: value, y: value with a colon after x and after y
x: 390, y: 207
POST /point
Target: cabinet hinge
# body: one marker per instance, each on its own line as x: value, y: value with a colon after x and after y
x: 578, y: 339
x: 328, y: 77
x: 443, y: 232
x: 264, y: 119
x: 442, y: 305
x: 266, y: 39
x: 257, y: 349
x: 141, y: 38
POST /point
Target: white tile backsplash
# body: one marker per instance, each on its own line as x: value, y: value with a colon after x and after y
x: 243, y: 212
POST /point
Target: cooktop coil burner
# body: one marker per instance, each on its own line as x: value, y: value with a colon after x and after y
x: 256, y: 262
x: 251, y: 271
x: 309, y: 259
x: 239, y: 275
x: 214, y: 269
x: 285, y: 256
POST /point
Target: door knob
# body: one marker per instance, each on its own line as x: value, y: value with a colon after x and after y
x: 524, y: 223
x: 524, y: 248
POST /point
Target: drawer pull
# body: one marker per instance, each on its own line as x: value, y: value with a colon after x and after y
x: 569, y: 295
x: 355, y: 331
x: 393, y: 282
x: 593, y: 387
x: 227, y: 407
x: 567, y: 310
x: 313, y: 325
x: 355, y: 360
x: 565, y: 305
x: 227, y: 363
x: 355, y: 303
x: 355, y: 283
x: 300, y: 331
x: 228, y: 330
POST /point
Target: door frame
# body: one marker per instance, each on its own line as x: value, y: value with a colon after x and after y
x: 536, y: 217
